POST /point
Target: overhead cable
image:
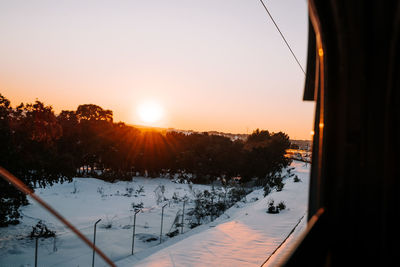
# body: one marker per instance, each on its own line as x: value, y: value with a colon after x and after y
x: 283, y: 37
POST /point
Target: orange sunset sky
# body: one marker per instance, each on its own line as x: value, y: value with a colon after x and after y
x: 208, y: 65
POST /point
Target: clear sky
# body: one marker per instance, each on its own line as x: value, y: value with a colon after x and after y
x: 210, y: 64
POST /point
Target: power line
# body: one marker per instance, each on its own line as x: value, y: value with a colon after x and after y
x: 283, y: 37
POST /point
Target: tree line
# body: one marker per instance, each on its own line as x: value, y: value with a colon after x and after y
x: 41, y: 148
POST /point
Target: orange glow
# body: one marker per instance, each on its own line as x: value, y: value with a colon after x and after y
x: 225, y: 85
x: 312, y: 133
x: 320, y: 52
x: 150, y: 112
x: 321, y: 125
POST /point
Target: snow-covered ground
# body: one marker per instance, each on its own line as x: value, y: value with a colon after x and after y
x: 245, y: 235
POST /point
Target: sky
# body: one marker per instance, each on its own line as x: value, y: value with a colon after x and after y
x: 208, y: 65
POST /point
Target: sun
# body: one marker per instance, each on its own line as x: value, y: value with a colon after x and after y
x: 150, y: 112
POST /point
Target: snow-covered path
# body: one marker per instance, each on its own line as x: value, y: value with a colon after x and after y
x: 246, y: 238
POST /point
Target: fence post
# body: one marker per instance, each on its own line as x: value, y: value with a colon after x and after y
x: 162, y: 217
x: 183, y: 215
x: 94, y: 240
x: 54, y: 244
x: 212, y: 207
x: 36, y: 249
x: 134, y: 229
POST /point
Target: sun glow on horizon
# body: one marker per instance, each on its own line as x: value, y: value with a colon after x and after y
x: 150, y: 112
x: 185, y: 58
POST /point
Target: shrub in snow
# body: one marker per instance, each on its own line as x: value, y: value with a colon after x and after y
x: 276, y: 182
x: 275, y: 209
x: 175, y: 197
x: 147, y: 237
x: 181, y: 178
x: 201, y: 208
x: 210, y: 204
x: 136, y: 206
x: 281, y: 205
x: 220, y: 207
x: 289, y: 172
x: 267, y: 190
x: 296, y: 179
x: 191, y: 189
x: 129, y: 191
x: 237, y: 194
x: 100, y: 190
x: 140, y: 190
x: 159, y: 194
x: 75, y: 189
x: 193, y: 225
x: 271, y: 208
x: 108, y: 222
x: 41, y: 230
x: 253, y: 199
x: 273, y: 182
x: 173, y: 233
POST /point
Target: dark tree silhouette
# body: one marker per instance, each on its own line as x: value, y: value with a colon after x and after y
x: 41, y: 148
x: 264, y: 155
x: 29, y: 150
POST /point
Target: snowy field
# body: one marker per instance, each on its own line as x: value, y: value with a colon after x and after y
x: 245, y: 235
